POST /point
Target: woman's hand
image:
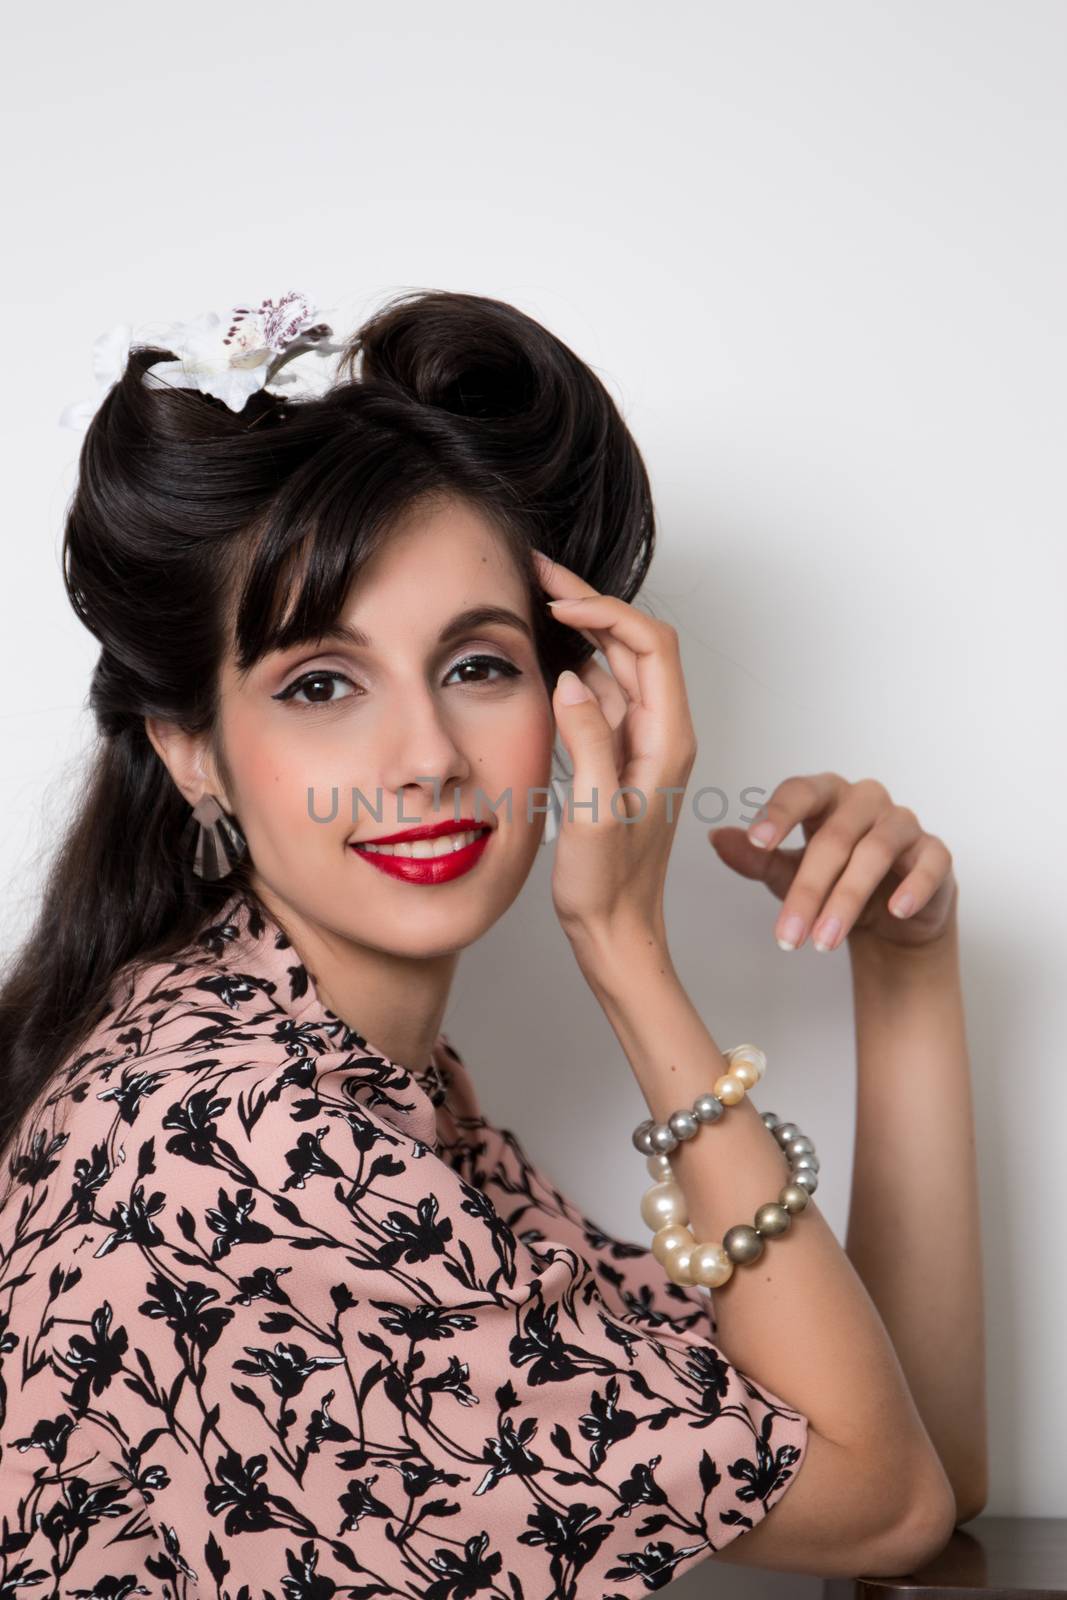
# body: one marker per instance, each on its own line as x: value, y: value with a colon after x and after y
x: 863, y: 860
x: 633, y: 733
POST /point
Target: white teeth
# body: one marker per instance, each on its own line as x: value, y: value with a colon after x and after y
x: 423, y: 849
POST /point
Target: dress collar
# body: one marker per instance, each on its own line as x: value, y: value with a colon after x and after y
x: 249, y: 944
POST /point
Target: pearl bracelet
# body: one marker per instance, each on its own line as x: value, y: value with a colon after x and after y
x: 663, y: 1207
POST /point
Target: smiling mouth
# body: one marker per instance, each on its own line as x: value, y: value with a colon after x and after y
x: 430, y: 862
x: 444, y: 845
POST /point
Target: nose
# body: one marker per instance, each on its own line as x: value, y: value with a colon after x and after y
x: 423, y: 760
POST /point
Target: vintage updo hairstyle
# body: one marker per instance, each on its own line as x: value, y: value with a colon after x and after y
x: 194, y: 528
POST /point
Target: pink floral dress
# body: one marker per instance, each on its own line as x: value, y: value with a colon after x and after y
x: 280, y: 1318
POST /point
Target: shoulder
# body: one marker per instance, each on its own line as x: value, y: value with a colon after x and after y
x: 175, y: 1019
x: 186, y: 1154
x: 181, y: 1042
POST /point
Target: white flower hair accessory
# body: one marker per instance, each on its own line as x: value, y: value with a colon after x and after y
x: 282, y: 346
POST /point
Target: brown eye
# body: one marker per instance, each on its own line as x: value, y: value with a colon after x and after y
x: 317, y: 686
x: 481, y: 662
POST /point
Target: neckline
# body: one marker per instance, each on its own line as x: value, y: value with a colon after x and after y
x: 245, y: 937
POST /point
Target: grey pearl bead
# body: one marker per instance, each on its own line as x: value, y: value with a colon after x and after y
x: 811, y: 1162
x: 683, y: 1124
x: 786, y: 1131
x: 769, y: 1119
x: 640, y: 1136
x: 772, y: 1219
x: 708, y: 1108
x: 742, y: 1243
x: 800, y: 1146
x: 662, y: 1140
x: 792, y: 1197
x: 806, y: 1179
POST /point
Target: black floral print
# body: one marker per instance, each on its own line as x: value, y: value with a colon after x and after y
x: 281, y: 1318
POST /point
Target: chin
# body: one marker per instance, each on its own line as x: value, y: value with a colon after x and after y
x: 455, y: 925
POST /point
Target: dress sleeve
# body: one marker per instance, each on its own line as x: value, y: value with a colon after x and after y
x: 342, y: 1368
x: 630, y: 1279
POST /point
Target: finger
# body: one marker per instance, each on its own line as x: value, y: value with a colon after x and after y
x: 831, y: 908
x: 774, y: 868
x: 876, y: 855
x: 643, y: 652
x: 835, y: 815
x: 660, y: 707
x: 561, y: 583
x: 795, y: 799
x: 613, y: 703
x: 925, y: 867
x: 589, y: 739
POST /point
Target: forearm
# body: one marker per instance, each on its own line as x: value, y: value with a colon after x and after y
x: 800, y: 1321
x: 914, y: 1225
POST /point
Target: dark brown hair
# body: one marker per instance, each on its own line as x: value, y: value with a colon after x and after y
x: 195, y: 529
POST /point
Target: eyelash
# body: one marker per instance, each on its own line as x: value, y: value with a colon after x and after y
x: 289, y: 693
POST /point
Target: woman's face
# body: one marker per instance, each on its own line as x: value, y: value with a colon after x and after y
x: 368, y: 728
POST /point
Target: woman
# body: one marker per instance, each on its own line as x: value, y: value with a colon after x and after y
x: 282, y: 1311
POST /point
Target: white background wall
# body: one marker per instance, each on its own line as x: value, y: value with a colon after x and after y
x: 818, y: 254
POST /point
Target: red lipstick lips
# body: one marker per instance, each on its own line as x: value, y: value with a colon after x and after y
x: 428, y: 869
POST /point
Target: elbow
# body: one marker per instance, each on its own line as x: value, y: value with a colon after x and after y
x: 912, y: 1542
x: 927, y: 1524
x: 923, y: 1530
x: 971, y: 1499
x: 939, y: 1503
x: 925, y: 1534
x: 966, y: 1510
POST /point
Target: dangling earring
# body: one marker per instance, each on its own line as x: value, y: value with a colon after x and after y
x: 557, y: 794
x: 219, y: 843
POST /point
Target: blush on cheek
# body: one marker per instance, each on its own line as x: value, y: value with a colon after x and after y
x: 523, y: 759
x: 275, y: 779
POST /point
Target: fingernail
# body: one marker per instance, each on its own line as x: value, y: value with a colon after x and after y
x: 571, y: 688
x: 827, y: 933
x: 903, y: 906
x: 792, y: 928
x: 762, y: 834
x: 572, y: 599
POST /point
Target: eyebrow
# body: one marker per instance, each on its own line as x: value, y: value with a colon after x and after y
x: 464, y: 622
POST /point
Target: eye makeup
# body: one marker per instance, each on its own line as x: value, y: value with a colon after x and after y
x: 483, y: 660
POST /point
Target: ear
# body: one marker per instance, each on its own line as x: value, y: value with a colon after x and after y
x: 188, y: 759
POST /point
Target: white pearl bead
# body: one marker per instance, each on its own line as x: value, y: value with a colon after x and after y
x: 749, y: 1052
x: 677, y: 1264
x: 673, y: 1237
x: 663, y: 1204
x: 745, y: 1071
x: 710, y: 1265
x: 728, y: 1089
x: 659, y: 1167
